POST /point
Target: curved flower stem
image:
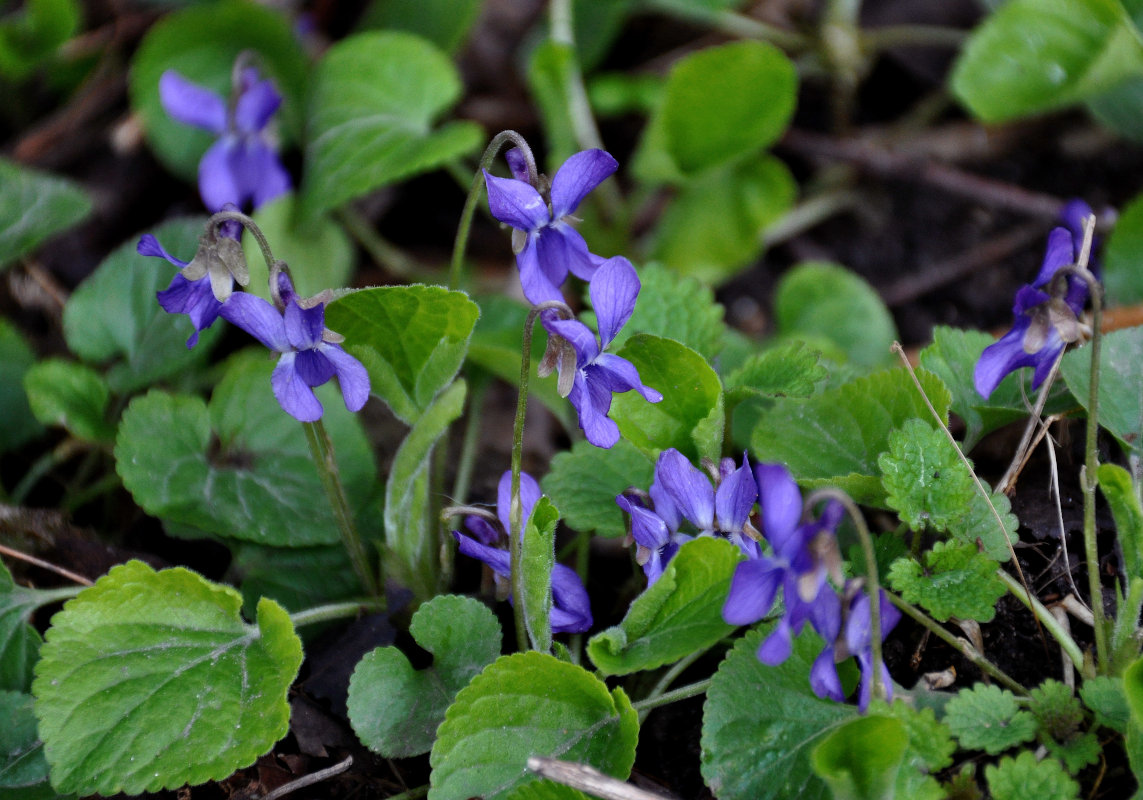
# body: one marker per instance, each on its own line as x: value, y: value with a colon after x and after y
x: 334, y: 611
x: 961, y: 646
x: 682, y: 693
x: 1062, y: 637
x: 515, y: 509
x: 321, y: 448
x: 460, y: 243
x: 668, y: 678
x: 873, y: 584
x: 250, y: 225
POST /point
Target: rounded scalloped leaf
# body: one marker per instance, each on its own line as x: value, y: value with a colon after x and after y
x: 988, y: 718
x: 529, y: 704
x: 149, y: 680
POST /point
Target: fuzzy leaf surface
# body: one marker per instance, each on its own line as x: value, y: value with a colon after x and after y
x: 790, y: 369
x: 773, y: 709
x: 529, y: 704
x: 689, y: 417
x: 925, y: 481
x: 988, y: 718
x: 34, y: 206
x: 680, y: 613
x: 417, y: 335
x: 1107, y: 699
x: 537, y: 556
x: 1116, y: 485
x: 374, y: 99
x: 677, y: 307
x: 957, y: 581
x: 394, y: 709
x: 1023, y: 776
x: 585, y: 480
x: 150, y: 680
x: 1120, y: 375
x: 836, y: 436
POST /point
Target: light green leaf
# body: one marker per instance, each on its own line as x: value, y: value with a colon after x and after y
x: 988, y: 718
x: 690, y: 416
x: 1032, y: 56
x: 529, y: 704
x: 1122, y: 278
x: 1119, y: 491
x: 445, y: 23
x: 715, y: 227
x: 1120, y: 376
x: 585, y: 480
x: 680, y: 613
x: 411, y: 534
x: 925, y: 481
x: 201, y: 43
x: 931, y: 746
x: 836, y: 436
x: 394, y: 709
x: 725, y: 102
x: 790, y: 369
x: 1024, y: 776
x: 374, y: 99
x: 1107, y: 698
x: 860, y: 759
x: 72, y: 396
x: 114, y: 317
x: 818, y: 299
x: 774, y: 710
x: 34, y: 206
x: 676, y: 307
x: 537, y: 556
x: 142, y: 671
x: 412, y: 339
x: 241, y: 467
x: 16, y: 357
x: 23, y: 768
x: 32, y: 35
x: 19, y: 641
x: 957, y: 581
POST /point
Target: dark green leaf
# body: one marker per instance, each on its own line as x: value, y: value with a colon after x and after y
x: 1120, y: 375
x: 1107, y: 698
x: 1122, y: 279
x: 72, y: 396
x: 957, y: 581
x: 16, y: 357
x: 445, y: 23
x: 551, y: 69
x: 860, y: 759
x: 24, y: 771
x: 584, y: 482
x: 988, y: 718
x: 19, y: 641
x: 1119, y: 491
x: 1024, y: 776
x: 34, y: 206
x: 32, y: 35
x: 925, y: 480
x: 678, y: 308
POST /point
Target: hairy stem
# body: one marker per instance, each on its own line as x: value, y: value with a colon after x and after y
x: 1049, y: 623
x: 682, y: 693
x: 334, y: 611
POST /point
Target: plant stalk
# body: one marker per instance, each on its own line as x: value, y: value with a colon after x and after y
x: 334, y: 611
x: 1047, y: 621
x: 682, y: 693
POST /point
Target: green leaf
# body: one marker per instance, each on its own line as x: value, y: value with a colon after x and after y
x: 297, y: 578
x: 201, y: 43
x: 1122, y: 280
x: 411, y: 535
x: 537, y: 557
x: 860, y: 759
x: 114, y: 317
x: 1121, y: 109
x: 1133, y: 690
x: 790, y: 369
x: 931, y: 746
x: 24, y: 773
x: 1107, y: 698
x: 529, y: 704
x: 241, y: 467
x: 715, y: 227
x: 1060, y: 717
x: 988, y: 718
x: 1023, y: 776
x: 34, y: 34
x: 1120, y: 375
x: 142, y: 671
x: 374, y: 99
x: 1032, y: 56
x: 818, y: 299
x: 957, y: 581
x: 394, y: 709
x: 925, y: 480
x: 19, y: 641
x: 445, y: 23
x: 72, y: 396
x: 725, y: 102
x: 1119, y: 491
x: 678, y: 308
x: 412, y: 339
x: 585, y: 480
x: 34, y: 206
x: 980, y: 525
x: 690, y: 416
x: 317, y: 249
x: 836, y: 437
x: 773, y: 709
x: 551, y: 70
x: 16, y: 357
x: 545, y: 790
x: 679, y: 614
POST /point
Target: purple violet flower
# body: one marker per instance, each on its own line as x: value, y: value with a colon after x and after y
x: 242, y: 166
x: 1043, y: 325
x: 856, y: 640
x: 310, y: 352
x: 571, y: 606
x: 598, y: 374
x: 656, y: 539
x: 547, y: 246
x: 195, y: 298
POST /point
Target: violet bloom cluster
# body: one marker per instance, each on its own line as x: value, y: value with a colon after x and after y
x: 803, y: 557
x: 547, y: 246
x: 571, y: 607
x: 1043, y: 324
x: 242, y: 167
x: 683, y: 503
x: 598, y: 374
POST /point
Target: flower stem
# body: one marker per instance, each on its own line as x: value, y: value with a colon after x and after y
x: 1062, y: 637
x: 460, y: 243
x: 961, y: 646
x: 682, y: 693
x: 321, y: 448
x: 333, y: 611
x: 249, y: 224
